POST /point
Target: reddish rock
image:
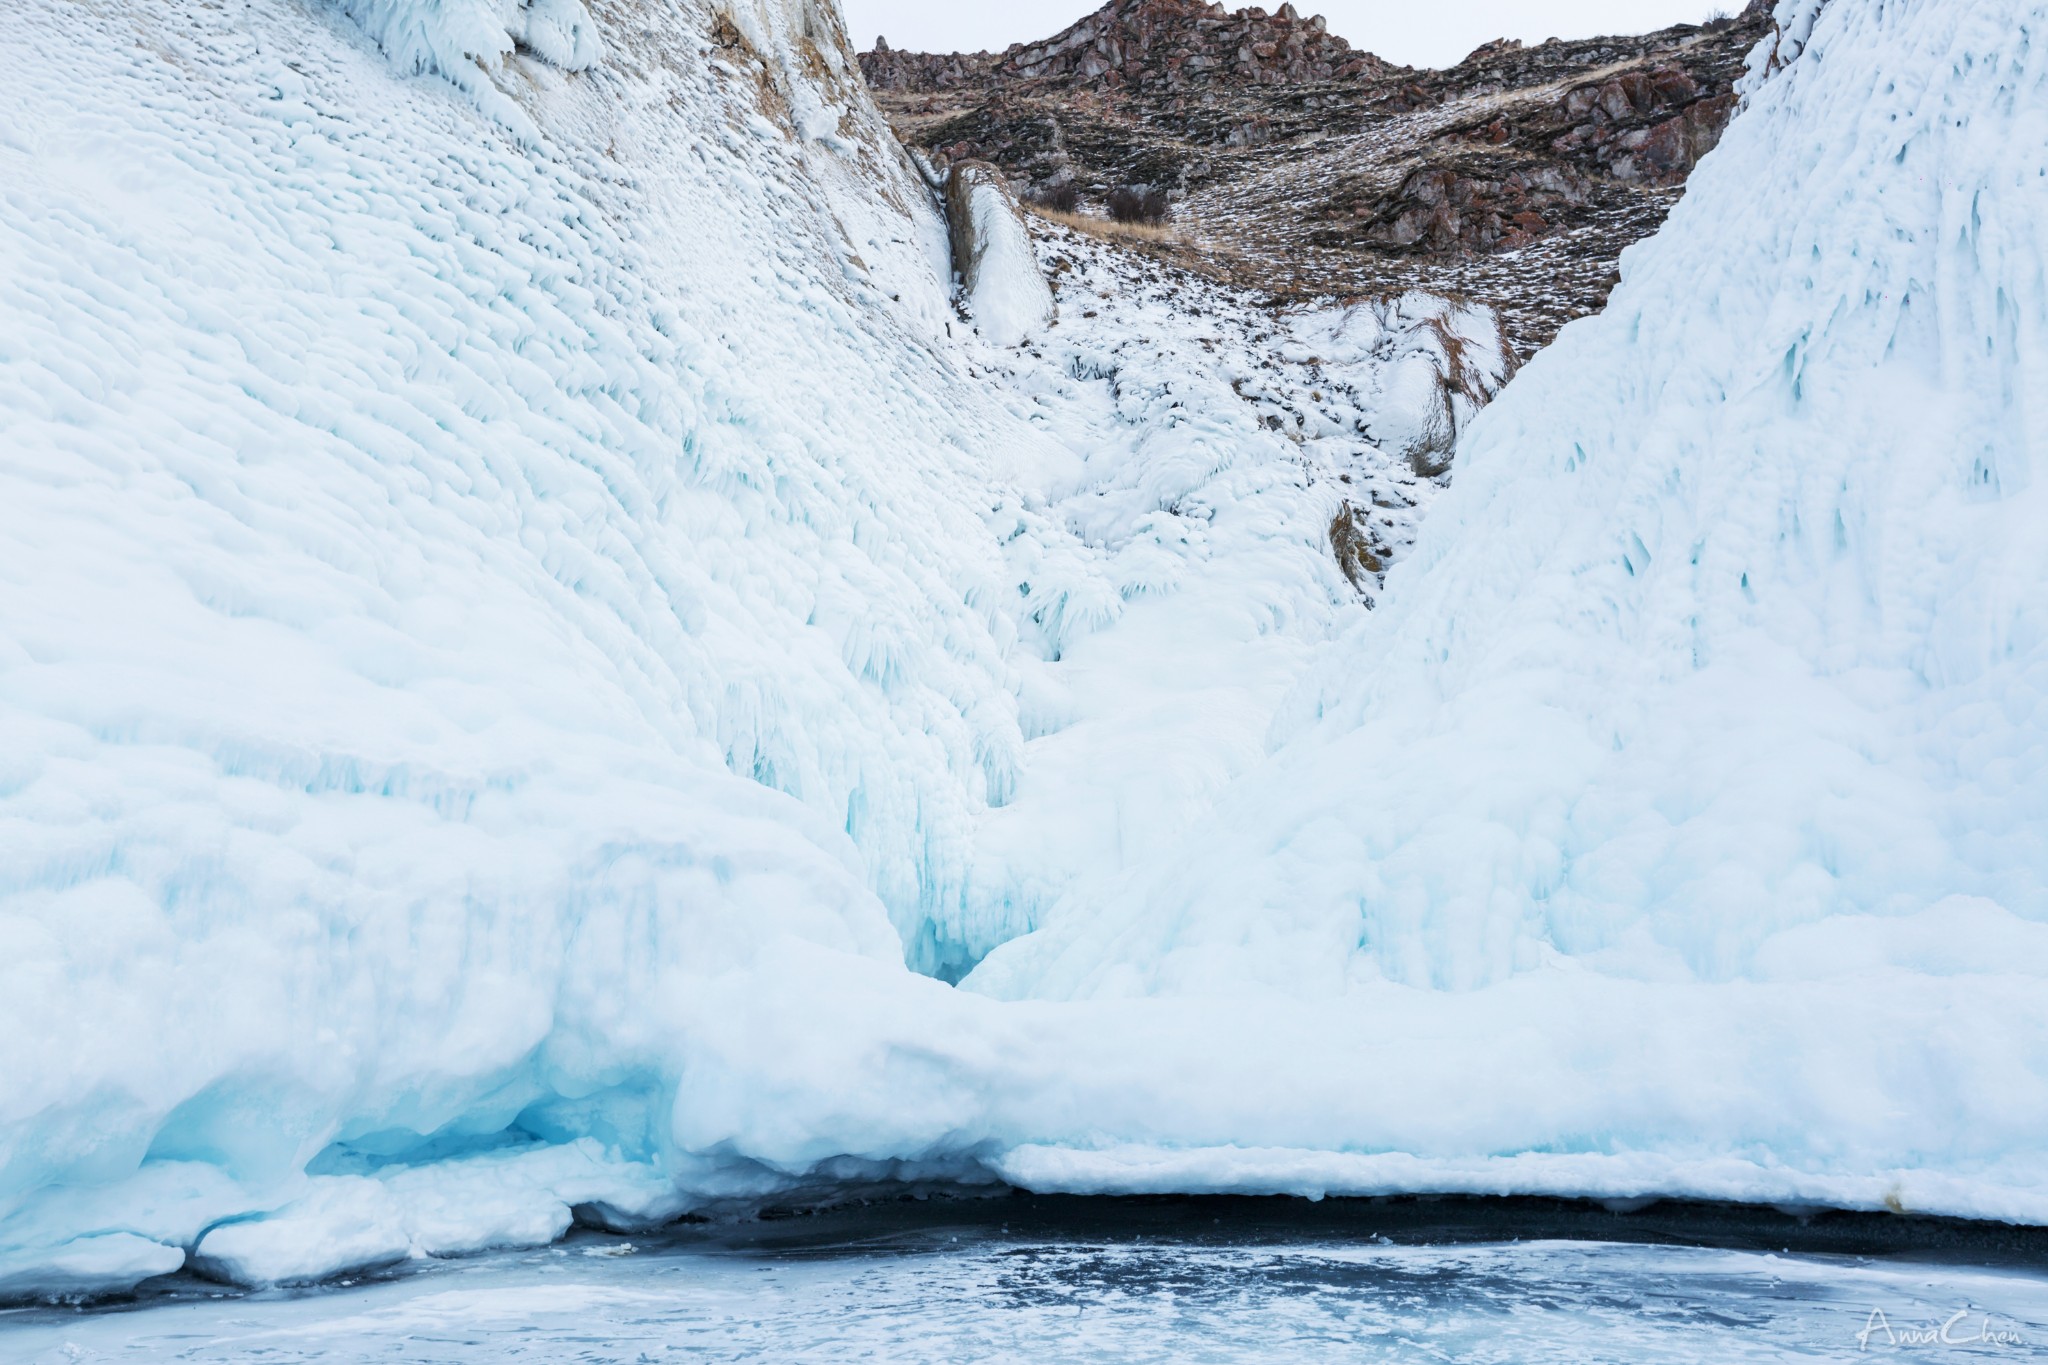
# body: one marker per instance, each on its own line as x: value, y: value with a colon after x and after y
x: 1648, y: 127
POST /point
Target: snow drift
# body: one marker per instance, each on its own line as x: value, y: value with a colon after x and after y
x: 521, y: 603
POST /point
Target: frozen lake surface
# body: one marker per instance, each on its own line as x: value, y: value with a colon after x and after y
x: 1020, y: 1279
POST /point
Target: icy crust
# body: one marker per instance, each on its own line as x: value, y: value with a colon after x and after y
x: 1877, y: 1089
x: 505, y: 644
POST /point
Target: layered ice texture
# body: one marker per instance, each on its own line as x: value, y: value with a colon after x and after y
x: 526, y: 606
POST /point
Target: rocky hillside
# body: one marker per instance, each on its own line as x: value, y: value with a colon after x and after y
x: 1152, y: 45
x: 1301, y: 166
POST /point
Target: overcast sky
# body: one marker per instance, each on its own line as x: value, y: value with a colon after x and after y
x: 1412, y: 32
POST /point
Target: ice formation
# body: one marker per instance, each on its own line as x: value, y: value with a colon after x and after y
x: 446, y: 36
x: 1004, y: 292
x: 526, y: 606
x: 464, y: 39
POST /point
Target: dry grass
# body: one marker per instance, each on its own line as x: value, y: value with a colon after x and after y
x: 1157, y: 234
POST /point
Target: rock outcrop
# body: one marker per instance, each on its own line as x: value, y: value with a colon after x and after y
x: 1151, y: 45
x: 1302, y: 166
x: 1001, y: 286
x: 1172, y: 45
x: 888, y: 69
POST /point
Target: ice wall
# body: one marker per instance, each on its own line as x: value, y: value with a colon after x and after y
x: 1002, y: 288
x: 1711, y: 703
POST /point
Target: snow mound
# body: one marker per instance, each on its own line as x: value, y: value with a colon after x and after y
x: 516, y: 1198
x: 1431, y: 365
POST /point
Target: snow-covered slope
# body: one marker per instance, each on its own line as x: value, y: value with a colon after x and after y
x: 525, y: 604
x: 1179, y: 569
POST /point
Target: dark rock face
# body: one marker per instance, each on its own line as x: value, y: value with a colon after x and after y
x: 1302, y: 166
x: 1639, y: 128
x: 1439, y: 210
x: 1642, y: 127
